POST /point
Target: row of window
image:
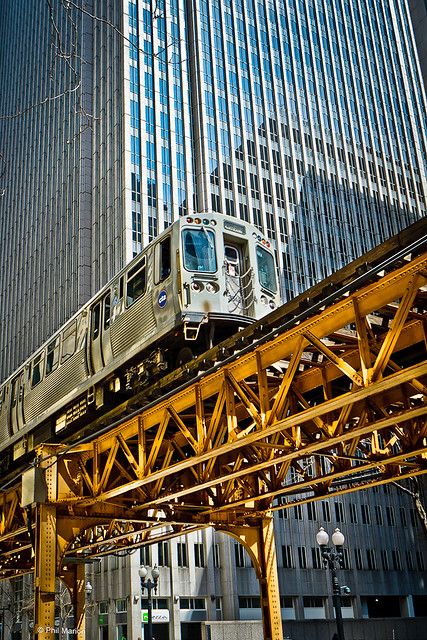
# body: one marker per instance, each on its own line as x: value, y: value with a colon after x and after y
x: 351, y: 512
x: 370, y: 559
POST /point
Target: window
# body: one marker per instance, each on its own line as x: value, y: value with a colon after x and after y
x: 136, y: 281
x: 378, y: 514
x: 52, y: 357
x: 216, y: 556
x: 391, y: 520
x: 266, y: 269
x: 163, y: 259
x: 37, y: 370
x: 96, y: 319
x: 326, y: 512
x: 192, y: 603
x: 181, y: 549
x: 316, y: 558
x: 311, y: 511
x: 339, y: 512
x: 239, y: 555
x: 345, y: 559
x: 107, y: 311
x: 287, y: 556
x: 312, y: 602
x: 371, y: 559
x: 297, y: 512
x: 249, y: 602
x: 396, y: 561
x: 121, y: 606
x: 163, y: 554
x: 384, y: 560
x: 103, y: 606
x: 353, y: 512
x: 286, y: 602
x: 302, y: 558
x: 68, y: 342
x: 199, y: 250
x: 358, y: 558
x: 366, y: 516
x: 144, y: 556
x: 199, y: 554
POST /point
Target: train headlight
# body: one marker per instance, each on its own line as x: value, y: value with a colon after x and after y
x: 271, y: 304
x: 264, y: 300
x: 211, y: 287
x: 196, y: 286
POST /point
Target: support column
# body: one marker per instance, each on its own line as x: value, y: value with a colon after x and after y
x: 75, y: 579
x: 45, y: 573
x: 259, y: 541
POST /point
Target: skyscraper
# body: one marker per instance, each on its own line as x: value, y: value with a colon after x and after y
x: 307, y: 118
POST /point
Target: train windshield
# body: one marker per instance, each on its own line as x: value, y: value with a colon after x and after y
x: 199, y: 250
x: 266, y: 269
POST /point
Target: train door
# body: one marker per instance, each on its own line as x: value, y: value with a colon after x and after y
x: 96, y: 358
x: 236, y: 279
x: 100, y: 345
x: 16, y: 404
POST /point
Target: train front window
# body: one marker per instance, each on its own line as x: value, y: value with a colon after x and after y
x: 266, y: 270
x: 199, y: 250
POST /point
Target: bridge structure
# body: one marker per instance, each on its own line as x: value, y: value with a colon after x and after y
x: 326, y: 396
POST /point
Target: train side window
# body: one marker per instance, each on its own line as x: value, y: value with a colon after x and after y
x: 37, y: 370
x: 68, y: 342
x: 136, y: 282
x: 163, y: 260
x: 52, y: 357
x: 107, y: 311
x: 96, y: 318
x: 16, y: 385
x: 121, y: 287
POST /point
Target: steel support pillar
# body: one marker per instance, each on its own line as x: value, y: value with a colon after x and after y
x: 260, y: 544
x: 45, y: 573
x: 75, y: 579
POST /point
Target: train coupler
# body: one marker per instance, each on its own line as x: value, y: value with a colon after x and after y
x: 192, y: 324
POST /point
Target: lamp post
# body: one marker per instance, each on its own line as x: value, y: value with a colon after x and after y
x: 332, y: 559
x: 149, y: 584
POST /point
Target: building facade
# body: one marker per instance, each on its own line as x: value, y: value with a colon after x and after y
x: 307, y: 118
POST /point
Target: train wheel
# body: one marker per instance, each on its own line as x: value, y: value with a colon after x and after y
x: 184, y: 355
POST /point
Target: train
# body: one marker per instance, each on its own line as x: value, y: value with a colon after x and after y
x: 198, y: 282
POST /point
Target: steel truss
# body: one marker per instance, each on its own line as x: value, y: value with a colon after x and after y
x: 334, y: 404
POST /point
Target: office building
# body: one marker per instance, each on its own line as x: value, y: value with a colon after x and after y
x: 307, y: 118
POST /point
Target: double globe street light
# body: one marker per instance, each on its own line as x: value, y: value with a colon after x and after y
x: 333, y: 560
x: 150, y: 584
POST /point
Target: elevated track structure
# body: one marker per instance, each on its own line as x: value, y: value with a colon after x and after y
x: 326, y: 396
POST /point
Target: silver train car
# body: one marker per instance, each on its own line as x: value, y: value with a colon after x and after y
x: 198, y: 282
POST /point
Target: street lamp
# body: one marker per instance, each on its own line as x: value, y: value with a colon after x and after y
x: 332, y: 559
x: 149, y: 584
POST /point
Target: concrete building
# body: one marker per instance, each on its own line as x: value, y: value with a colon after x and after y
x: 307, y: 118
